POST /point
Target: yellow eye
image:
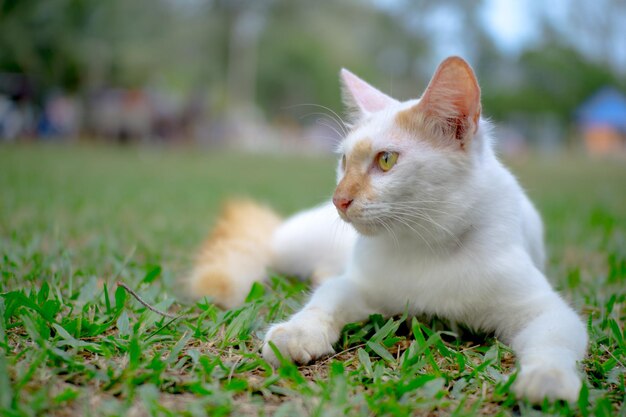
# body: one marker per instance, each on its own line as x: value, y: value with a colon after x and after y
x: 343, y: 162
x: 386, y: 160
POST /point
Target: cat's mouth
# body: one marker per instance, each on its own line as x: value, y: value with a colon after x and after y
x: 364, y: 226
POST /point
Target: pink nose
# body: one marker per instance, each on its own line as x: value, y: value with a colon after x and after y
x: 342, y: 204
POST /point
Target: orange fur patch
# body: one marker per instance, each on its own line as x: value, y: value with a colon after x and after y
x: 406, y: 120
x: 235, y: 254
x: 449, y: 110
x: 437, y: 131
x: 356, y: 182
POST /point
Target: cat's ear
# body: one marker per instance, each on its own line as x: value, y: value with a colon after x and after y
x: 360, y: 97
x: 449, y: 109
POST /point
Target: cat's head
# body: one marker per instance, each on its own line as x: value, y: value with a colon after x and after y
x: 405, y: 166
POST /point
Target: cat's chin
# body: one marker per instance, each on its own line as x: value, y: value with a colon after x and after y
x: 366, y: 229
x: 363, y: 228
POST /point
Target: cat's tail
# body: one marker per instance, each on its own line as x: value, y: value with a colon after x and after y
x: 235, y: 255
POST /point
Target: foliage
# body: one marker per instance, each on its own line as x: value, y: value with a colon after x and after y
x: 75, y: 221
x: 75, y: 45
x: 554, y: 79
x: 281, y: 53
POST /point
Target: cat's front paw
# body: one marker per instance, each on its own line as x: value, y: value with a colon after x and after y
x: 300, y: 340
x: 541, y: 381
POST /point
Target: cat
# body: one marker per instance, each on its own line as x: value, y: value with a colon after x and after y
x: 438, y: 226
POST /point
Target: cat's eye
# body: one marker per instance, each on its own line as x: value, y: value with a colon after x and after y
x: 343, y: 162
x: 386, y: 160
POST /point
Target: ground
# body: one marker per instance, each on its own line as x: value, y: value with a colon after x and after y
x: 75, y: 220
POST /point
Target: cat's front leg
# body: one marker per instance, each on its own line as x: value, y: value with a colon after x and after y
x: 310, y: 333
x: 549, y: 346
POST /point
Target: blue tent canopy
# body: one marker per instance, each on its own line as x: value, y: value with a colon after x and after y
x: 607, y: 108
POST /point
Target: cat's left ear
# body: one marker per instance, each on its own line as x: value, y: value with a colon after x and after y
x: 360, y: 97
x: 449, y: 110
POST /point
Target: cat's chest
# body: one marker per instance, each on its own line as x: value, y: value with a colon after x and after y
x: 427, y: 282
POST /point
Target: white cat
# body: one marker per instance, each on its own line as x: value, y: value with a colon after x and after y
x: 442, y: 227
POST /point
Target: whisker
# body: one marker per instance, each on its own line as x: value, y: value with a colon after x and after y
x: 421, y: 211
x: 430, y: 220
x: 411, y: 218
x: 445, y: 229
x: 322, y: 122
x: 390, y: 230
x: 345, y: 127
x: 338, y: 224
x: 400, y: 220
x: 417, y: 202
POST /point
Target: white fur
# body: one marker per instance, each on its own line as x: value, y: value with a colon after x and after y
x: 450, y: 233
x: 314, y: 243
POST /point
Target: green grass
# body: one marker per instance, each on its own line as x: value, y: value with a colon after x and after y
x: 74, y: 221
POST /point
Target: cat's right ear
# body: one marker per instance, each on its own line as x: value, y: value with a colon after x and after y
x: 449, y: 110
x: 361, y: 98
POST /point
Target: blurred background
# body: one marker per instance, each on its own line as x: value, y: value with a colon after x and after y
x: 263, y: 74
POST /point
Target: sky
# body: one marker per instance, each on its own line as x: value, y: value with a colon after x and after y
x: 509, y: 23
x: 514, y: 26
x: 597, y: 28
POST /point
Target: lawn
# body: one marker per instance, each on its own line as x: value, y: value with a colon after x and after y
x: 75, y: 220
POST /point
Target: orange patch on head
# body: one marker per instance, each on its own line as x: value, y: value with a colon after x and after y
x: 406, y: 120
x: 435, y: 130
x: 412, y: 121
x: 448, y: 112
x: 360, y: 151
x: 356, y: 180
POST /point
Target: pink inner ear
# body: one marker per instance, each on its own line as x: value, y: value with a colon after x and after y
x: 366, y: 97
x: 453, y: 92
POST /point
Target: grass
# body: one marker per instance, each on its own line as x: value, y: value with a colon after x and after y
x: 74, y: 221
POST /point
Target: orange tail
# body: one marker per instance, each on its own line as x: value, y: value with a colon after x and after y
x: 235, y: 255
